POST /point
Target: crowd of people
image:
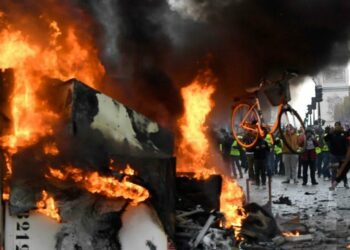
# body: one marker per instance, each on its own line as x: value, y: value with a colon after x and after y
x: 326, y: 155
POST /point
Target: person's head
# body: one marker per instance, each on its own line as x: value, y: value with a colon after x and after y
x: 223, y: 132
x: 290, y: 129
x: 347, y: 126
x: 337, y: 126
x: 309, y: 133
x: 327, y: 129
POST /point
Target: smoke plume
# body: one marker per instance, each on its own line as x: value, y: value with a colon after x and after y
x: 152, y: 48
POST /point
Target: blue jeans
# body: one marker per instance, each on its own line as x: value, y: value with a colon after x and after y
x: 279, y: 168
x: 270, y: 163
x: 236, y: 164
x: 326, y: 158
x: 319, y: 160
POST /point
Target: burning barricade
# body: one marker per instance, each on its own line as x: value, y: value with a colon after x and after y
x: 103, y: 171
x: 66, y: 171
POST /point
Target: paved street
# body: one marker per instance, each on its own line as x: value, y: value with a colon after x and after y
x: 325, y: 213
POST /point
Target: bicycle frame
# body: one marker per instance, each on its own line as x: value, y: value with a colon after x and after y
x: 259, y: 128
x: 252, y: 121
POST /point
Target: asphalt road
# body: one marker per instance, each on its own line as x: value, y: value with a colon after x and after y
x: 325, y: 214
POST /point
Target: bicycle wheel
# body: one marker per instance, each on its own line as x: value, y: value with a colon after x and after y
x: 290, y: 119
x: 243, y: 125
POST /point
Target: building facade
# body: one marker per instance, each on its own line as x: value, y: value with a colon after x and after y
x: 335, y: 83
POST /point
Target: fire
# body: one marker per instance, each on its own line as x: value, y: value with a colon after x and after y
x: 51, y: 149
x: 6, y: 177
x: 193, y: 147
x: 48, y: 207
x: 231, y: 202
x: 6, y: 195
x: 291, y: 234
x: 56, y: 54
x: 110, y: 187
x: 62, y: 58
x: 128, y: 170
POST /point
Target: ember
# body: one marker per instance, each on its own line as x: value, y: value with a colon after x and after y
x: 291, y: 234
x: 51, y: 149
x: 48, y: 207
x: 8, y: 173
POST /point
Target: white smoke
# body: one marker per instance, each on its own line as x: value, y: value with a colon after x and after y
x: 198, y: 10
x: 107, y: 16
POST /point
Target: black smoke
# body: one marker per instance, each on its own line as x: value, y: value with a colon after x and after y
x: 150, y: 48
x: 160, y: 44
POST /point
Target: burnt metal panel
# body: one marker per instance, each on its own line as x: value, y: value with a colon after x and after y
x: 130, y: 132
x: 191, y: 192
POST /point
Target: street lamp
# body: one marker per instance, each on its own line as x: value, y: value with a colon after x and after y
x: 318, y: 98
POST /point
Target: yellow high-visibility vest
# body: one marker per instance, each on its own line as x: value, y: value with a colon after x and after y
x: 268, y: 139
x: 278, y: 150
x: 318, y: 150
x: 234, y: 149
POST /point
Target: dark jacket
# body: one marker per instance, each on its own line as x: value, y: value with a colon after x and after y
x: 261, y: 149
x: 226, y: 146
x: 337, y: 142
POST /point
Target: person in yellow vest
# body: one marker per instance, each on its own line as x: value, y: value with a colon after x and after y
x: 235, y: 155
x: 279, y: 167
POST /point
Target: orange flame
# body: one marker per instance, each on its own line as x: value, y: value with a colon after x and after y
x: 48, y: 207
x: 128, y: 171
x: 31, y: 63
x: 6, y: 177
x: 290, y: 234
x: 63, y: 57
x: 107, y: 186
x: 51, y: 149
x: 6, y: 195
x: 193, y: 147
x: 231, y: 202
